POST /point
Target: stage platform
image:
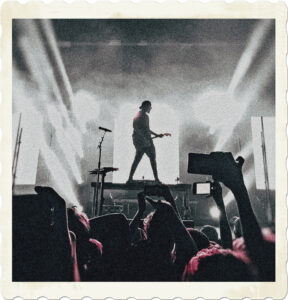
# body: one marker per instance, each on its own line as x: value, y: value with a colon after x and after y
x: 140, y: 186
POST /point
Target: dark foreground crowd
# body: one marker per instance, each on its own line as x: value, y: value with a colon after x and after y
x: 51, y: 243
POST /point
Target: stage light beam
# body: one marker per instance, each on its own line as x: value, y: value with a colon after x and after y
x: 219, y: 109
x: 254, y: 44
x: 40, y: 92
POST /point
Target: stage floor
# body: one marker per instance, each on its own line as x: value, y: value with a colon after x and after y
x: 140, y: 186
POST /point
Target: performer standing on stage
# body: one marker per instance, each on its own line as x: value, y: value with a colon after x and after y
x: 142, y: 140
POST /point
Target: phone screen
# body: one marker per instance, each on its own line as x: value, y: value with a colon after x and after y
x: 203, y: 188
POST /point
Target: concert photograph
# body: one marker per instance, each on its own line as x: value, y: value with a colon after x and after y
x: 143, y: 150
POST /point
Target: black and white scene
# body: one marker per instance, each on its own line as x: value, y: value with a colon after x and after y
x: 143, y: 150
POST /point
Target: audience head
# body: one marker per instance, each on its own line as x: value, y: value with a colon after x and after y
x: 146, y: 106
x: 210, y: 232
x: 113, y: 232
x: 215, y: 264
x: 78, y: 222
x: 199, y: 237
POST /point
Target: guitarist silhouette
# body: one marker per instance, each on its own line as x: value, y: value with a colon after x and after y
x: 142, y: 140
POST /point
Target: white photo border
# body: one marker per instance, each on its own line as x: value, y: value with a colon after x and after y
x: 148, y: 9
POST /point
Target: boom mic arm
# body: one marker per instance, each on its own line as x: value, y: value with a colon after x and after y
x: 105, y: 129
x: 104, y: 170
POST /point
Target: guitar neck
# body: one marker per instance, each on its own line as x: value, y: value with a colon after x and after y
x: 164, y: 134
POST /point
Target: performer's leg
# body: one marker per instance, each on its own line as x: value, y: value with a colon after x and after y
x: 151, y: 153
x: 138, y: 156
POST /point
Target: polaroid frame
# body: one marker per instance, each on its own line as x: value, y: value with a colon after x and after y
x: 147, y: 9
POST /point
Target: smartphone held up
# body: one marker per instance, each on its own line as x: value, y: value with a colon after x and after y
x: 203, y: 188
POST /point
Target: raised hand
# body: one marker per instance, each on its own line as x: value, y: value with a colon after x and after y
x: 169, y: 198
x: 141, y: 202
x: 217, y: 194
x: 153, y: 203
x: 225, y: 232
x: 160, y: 204
x: 185, y: 245
x: 135, y: 223
x: 230, y: 172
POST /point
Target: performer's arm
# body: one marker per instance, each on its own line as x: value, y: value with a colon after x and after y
x: 153, y: 133
x: 156, y: 134
x: 148, y: 130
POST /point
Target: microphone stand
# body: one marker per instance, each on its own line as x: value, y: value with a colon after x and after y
x: 101, y: 202
x: 95, y: 203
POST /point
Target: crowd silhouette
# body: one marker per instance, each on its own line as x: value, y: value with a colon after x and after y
x: 55, y: 243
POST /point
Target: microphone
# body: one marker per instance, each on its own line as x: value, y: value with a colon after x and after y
x: 105, y: 129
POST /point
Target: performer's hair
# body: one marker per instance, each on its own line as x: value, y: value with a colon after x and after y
x: 145, y: 103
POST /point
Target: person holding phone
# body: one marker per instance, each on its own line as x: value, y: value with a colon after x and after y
x: 142, y: 140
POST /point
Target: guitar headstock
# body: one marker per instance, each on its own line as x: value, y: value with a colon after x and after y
x: 167, y: 134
